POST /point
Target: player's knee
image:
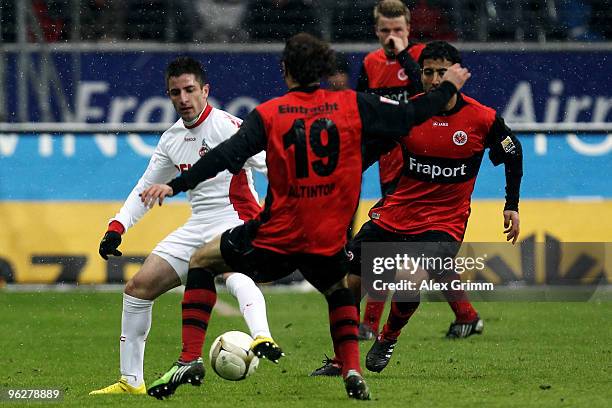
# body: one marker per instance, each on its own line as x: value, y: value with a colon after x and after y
x: 140, y: 288
x: 340, y: 296
x: 331, y: 290
x: 354, y: 284
x: 200, y: 259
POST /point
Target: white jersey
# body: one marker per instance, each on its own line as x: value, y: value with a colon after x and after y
x: 178, y: 149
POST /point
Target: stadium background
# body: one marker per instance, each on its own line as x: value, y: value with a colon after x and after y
x: 58, y: 190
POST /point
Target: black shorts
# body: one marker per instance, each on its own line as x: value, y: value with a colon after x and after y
x: 446, y: 245
x: 264, y: 265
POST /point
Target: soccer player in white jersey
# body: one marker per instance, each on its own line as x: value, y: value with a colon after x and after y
x: 217, y: 204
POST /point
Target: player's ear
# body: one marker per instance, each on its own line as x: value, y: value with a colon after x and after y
x: 206, y: 90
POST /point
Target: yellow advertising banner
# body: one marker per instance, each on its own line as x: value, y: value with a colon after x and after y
x: 58, y: 241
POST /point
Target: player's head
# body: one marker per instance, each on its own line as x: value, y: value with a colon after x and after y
x: 187, y: 86
x: 391, y: 17
x: 306, y: 60
x: 339, y: 79
x: 435, y: 59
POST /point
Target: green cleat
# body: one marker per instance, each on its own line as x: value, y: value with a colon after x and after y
x: 180, y: 373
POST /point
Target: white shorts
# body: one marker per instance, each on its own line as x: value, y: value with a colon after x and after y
x: 178, y: 246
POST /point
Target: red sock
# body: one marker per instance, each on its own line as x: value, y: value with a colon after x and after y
x: 198, y: 301
x: 399, y: 315
x: 464, y: 311
x: 458, y: 300
x: 343, y: 325
x: 373, y: 313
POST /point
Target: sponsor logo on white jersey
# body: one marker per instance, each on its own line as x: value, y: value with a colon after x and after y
x: 189, y: 138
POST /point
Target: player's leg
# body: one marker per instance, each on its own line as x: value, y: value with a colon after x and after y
x: 327, y: 274
x: 369, y: 232
x: 467, y: 321
x: 431, y: 245
x: 198, y: 301
x: 403, y: 306
x: 368, y: 328
x: 156, y: 276
x: 253, y: 308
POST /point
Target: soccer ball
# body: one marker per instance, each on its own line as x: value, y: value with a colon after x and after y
x: 230, y: 356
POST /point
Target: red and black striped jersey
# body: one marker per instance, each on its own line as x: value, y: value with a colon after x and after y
x: 399, y: 79
x: 314, y: 141
x: 441, y: 162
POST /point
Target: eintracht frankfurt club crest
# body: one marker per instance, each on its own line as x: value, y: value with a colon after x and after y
x: 460, y: 138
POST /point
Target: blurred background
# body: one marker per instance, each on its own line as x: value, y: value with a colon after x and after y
x: 82, y: 105
x: 237, y: 21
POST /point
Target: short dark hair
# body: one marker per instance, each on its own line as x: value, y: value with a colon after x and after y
x: 186, y: 65
x: 308, y: 59
x: 342, y: 64
x: 440, y: 50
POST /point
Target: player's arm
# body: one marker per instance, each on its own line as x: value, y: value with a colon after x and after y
x: 385, y: 121
x: 363, y: 83
x: 505, y: 147
x: 159, y: 170
x: 412, y: 69
x: 392, y: 119
x: 229, y: 155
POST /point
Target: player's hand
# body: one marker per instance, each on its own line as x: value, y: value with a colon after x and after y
x: 394, y: 45
x: 457, y: 75
x: 511, y: 225
x: 156, y: 193
x: 109, y: 244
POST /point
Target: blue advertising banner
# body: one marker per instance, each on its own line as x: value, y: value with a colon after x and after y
x: 553, y: 86
x: 116, y: 87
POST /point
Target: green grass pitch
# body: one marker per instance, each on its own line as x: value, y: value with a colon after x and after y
x: 531, y: 355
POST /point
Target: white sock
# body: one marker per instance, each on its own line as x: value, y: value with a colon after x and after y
x: 135, y: 325
x: 252, y: 303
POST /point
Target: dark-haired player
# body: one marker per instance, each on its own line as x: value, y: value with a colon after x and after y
x: 434, y: 208
x: 391, y: 71
x: 314, y: 140
x: 218, y: 204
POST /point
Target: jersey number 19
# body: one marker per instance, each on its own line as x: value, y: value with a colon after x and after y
x: 296, y: 137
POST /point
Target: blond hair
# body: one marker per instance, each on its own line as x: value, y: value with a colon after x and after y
x: 391, y: 9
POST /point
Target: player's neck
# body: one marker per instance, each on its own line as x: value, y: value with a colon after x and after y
x: 292, y: 84
x: 310, y: 85
x: 197, y: 117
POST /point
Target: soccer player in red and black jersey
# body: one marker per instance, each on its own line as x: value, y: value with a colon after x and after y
x: 431, y: 201
x: 314, y: 140
x: 391, y: 71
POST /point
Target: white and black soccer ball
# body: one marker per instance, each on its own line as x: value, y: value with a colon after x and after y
x: 231, y: 357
